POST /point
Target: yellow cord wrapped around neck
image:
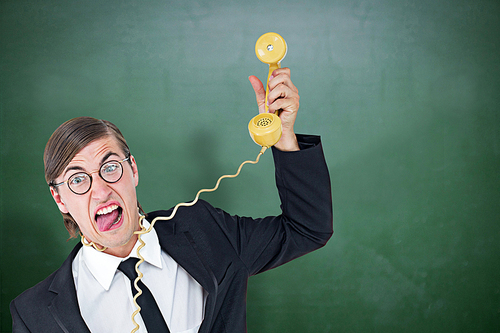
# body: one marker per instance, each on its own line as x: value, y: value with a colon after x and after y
x: 161, y: 218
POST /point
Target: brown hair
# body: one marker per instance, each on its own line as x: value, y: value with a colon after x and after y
x: 66, y: 141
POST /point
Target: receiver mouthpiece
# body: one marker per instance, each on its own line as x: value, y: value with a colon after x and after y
x: 265, y: 129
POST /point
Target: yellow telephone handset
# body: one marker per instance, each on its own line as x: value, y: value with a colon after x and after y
x: 265, y: 128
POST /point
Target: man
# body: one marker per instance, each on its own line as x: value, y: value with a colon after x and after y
x: 197, y: 264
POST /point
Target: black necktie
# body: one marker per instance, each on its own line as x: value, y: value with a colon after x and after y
x: 155, y: 323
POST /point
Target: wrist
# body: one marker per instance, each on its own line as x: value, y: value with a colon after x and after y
x: 288, y: 142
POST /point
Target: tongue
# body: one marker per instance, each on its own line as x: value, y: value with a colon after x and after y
x: 105, y: 221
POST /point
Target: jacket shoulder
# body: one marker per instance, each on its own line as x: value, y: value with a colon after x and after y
x: 40, y: 295
x: 36, y: 294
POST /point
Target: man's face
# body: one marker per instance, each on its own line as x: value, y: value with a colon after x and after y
x: 107, y: 214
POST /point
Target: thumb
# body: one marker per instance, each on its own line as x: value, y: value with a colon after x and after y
x: 260, y: 92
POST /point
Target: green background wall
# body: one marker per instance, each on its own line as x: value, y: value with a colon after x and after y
x: 405, y: 95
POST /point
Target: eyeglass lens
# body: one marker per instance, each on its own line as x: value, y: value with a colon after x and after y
x: 111, y: 172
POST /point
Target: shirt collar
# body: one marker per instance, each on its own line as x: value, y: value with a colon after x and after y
x: 103, y: 266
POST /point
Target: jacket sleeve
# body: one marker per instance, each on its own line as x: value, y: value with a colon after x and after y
x: 306, y: 222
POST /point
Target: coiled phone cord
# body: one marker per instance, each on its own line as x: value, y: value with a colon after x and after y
x: 160, y: 218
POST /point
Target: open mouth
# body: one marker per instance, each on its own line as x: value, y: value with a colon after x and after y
x: 109, y: 217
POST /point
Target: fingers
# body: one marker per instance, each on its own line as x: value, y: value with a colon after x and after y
x: 283, y: 95
x: 281, y: 76
x: 282, y: 92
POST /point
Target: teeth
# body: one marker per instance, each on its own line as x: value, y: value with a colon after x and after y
x: 118, y: 219
x: 107, y: 210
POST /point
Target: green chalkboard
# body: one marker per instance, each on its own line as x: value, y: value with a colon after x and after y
x: 405, y: 95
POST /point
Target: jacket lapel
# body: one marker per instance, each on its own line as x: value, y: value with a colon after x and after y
x: 64, y: 306
x: 182, y: 248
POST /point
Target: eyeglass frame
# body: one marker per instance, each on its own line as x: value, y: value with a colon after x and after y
x: 90, y: 176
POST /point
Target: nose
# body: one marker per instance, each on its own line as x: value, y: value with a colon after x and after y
x: 100, y: 189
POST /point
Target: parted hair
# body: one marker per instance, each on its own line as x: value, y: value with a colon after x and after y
x: 67, y: 141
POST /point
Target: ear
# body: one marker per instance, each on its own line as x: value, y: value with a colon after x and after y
x: 135, y: 170
x: 57, y: 198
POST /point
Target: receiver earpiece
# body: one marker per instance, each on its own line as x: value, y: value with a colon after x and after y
x: 270, y: 49
x: 265, y: 128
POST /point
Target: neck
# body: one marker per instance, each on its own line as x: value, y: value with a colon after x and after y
x: 123, y: 250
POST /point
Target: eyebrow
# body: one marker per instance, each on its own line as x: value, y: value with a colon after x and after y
x: 79, y: 168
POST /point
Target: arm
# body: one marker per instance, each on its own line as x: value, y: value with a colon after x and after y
x: 303, y: 182
x: 231, y: 242
x: 306, y: 222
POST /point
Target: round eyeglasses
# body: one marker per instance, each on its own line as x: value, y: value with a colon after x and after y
x: 81, y: 182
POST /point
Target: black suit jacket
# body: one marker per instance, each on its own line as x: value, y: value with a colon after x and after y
x: 220, y: 251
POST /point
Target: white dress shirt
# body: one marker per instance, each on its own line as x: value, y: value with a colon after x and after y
x: 105, y: 297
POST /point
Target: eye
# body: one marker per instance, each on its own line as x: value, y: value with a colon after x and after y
x: 78, y: 179
x: 109, y: 167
